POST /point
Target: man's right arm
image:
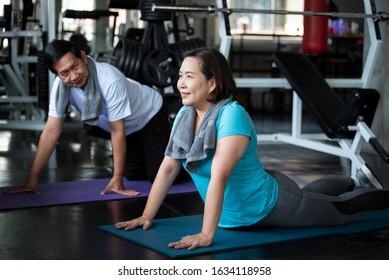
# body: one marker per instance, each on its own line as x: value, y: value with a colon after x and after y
x: 47, y: 143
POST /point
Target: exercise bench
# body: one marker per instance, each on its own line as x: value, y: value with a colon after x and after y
x: 346, y: 123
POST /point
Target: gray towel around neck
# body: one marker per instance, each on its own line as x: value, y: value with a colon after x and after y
x: 184, y: 144
x: 92, y: 105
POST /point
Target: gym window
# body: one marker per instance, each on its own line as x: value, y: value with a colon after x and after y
x: 266, y: 24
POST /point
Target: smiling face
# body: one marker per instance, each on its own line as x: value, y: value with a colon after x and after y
x: 72, y: 70
x: 194, y: 88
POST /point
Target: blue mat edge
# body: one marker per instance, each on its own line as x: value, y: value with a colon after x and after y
x: 358, y: 226
x: 179, y: 253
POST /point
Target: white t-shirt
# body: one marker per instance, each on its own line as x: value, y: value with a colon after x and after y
x: 122, y: 99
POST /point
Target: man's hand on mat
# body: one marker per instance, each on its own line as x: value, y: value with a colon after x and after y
x: 116, y: 185
x: 143, y: 221
x: 23, y: 189
x: 192, y: 242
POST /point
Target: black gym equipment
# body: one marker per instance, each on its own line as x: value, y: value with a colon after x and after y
x: 124, y: 4
x: 332, y: 114
x: 152, y: 60
x: 380, y: 16
x: 340, y: 121
x: 129, y: 56
x: 160, y: 67
x: 95, y: 15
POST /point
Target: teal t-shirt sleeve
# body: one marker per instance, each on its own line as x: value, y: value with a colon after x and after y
x: 234, y: 120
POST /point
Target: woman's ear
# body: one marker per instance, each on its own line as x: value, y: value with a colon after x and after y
x: 212, y: 84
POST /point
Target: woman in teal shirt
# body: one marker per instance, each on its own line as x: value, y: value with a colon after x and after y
x: 248, y: 183
x: 214, y: 139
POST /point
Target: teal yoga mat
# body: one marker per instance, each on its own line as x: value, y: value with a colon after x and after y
x: 172, y: 229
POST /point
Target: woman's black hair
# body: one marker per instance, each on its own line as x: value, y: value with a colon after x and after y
x: 215, y: 65
x: 56, y: 49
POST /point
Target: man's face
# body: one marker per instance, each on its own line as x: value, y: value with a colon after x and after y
x: 72, y: 70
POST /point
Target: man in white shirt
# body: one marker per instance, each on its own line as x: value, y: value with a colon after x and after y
x: 134, y: 115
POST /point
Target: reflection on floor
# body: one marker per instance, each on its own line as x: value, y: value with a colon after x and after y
x: 70, y: 231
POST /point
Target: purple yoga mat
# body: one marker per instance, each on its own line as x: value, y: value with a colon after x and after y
x: 80, y: 191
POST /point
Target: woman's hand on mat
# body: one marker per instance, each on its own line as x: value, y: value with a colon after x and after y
x: 192, y: 242
x: 116, y: 185
x: 143, y: 221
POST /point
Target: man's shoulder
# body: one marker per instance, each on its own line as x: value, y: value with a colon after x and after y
x: 103, y: 67
x: 108, y: 74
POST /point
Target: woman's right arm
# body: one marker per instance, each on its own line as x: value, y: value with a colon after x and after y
x: 167, y: 172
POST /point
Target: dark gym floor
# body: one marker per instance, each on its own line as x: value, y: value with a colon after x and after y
x: 70, y: 231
